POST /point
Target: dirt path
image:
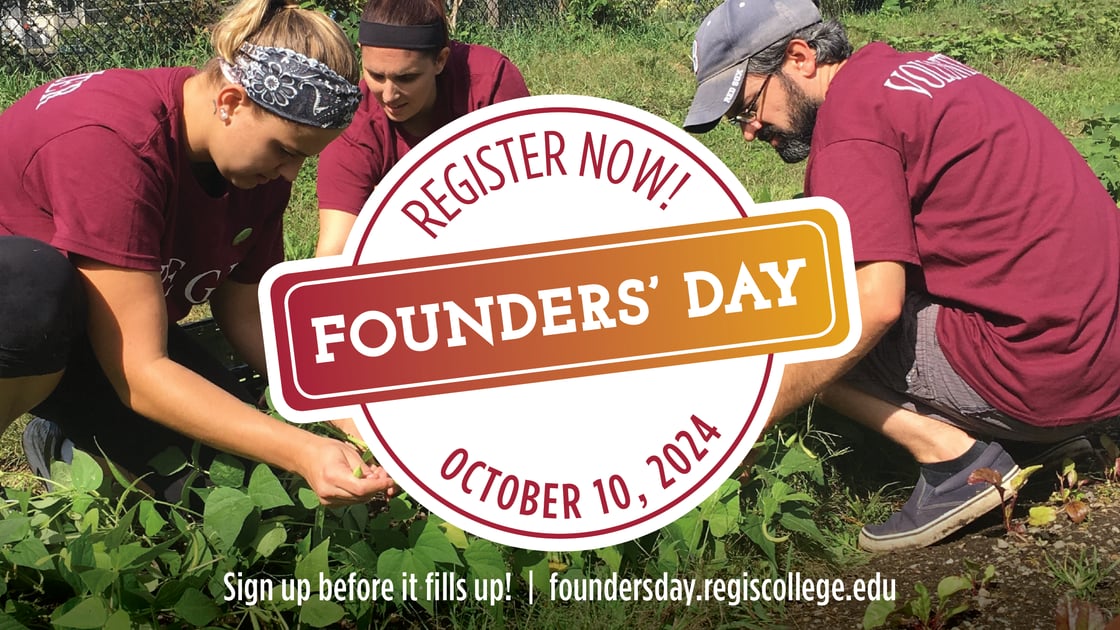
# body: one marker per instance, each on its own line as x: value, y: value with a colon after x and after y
x: 1026, y: 590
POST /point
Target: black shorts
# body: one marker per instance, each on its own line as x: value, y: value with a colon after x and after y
x: 42, y: 308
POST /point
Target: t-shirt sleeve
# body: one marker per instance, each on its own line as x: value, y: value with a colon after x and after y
x: 508, y: 84
x: 348, y: 169
x: 117, y: 215
x: 867, y: 179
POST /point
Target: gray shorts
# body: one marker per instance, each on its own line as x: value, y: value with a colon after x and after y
x: 908, y: 369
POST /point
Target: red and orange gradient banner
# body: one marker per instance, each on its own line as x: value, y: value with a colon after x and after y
x: 563, y: 309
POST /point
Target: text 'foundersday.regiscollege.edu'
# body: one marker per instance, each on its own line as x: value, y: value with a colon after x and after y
x: 451, y: 586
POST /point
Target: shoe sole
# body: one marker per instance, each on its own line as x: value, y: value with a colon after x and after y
x: 950, y: 522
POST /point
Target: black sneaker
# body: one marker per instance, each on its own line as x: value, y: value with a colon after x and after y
x: 933, y: 512
x: 43, y: 443
x: 1049, y: 456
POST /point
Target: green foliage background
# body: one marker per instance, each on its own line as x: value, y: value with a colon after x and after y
x: 95, y: 551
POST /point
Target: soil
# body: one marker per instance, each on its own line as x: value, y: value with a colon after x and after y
x: 1024, y: 593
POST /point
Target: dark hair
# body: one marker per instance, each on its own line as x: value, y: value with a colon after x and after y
x: 828, y: 39
x: 406, y: 13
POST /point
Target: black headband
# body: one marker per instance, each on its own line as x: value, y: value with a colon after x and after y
x: 418, y: 37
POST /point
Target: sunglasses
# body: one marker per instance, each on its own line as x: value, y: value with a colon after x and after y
x: 748, y: 114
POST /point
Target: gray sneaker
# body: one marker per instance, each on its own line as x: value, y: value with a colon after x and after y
x: 933, y: 512
x: 43, y: 443
x: 1049, y: 456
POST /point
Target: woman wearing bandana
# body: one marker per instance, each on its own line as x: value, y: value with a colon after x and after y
x: 130, y: 195
x: 415, y: 81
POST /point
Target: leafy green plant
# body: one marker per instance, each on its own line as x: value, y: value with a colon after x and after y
x: 1008, y: 494
x: 979, y: 576
x: 921, y: 611
x: 1100, y: 146
x: 1079, y: 575
x: 608, y: 13
x: 1068, y: 498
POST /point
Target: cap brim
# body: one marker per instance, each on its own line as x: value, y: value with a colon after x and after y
x: 711, y: 101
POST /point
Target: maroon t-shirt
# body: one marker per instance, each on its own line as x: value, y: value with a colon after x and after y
x: 999, y: 218
x: 96, y: 165
x: 351, y: 166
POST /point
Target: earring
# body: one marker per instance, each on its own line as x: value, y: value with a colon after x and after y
x: 223, y: 114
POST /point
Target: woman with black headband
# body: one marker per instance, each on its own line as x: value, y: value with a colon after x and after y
x: 415, y: 81
x: 127, y: 197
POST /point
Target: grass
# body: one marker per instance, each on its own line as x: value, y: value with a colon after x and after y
x: 649, y: 68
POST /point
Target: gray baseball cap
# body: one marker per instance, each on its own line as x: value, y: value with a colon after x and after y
x: 731, y: 34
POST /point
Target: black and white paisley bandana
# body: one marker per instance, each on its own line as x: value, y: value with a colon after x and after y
x: 293, y: 86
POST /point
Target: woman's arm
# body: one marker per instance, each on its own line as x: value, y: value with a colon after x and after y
x: 127, y: 328
x: 334, y: 229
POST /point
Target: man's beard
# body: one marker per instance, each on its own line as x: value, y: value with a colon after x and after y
x: 793, y: 144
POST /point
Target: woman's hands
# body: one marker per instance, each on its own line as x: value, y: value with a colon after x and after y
x: 335, y: 471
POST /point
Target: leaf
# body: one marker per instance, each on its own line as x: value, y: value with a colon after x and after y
x: 196, y: 608
x: 97, y: 580
x: 752, y: 527
x: 168, y: 461
x: 484, y: 559
x: 611, y: 556
x: 14, y: 529
x: 91, y: 612
x: 269, y: 539
x: 227, y: 471
x: 876, y: 614
x: 318, y: 613
x: 525, y: 561
x: 800, y: 521
x: 951, y: 585
x: 224, y: 515
x: 1078, y: 511
x: 985, y: 475
x: 30, y: 552
x: 315, y: 564
x: 953, y: 612
x: 85, y: 472
x: 119, y: 620
x: 1041, y: 515
x: 150, y: 518
x: 432, y: 544
x: 721, y: 510
x: 307, y: 498
x: 265, y: 489
x: 457, y: 536
x: 921, y: 605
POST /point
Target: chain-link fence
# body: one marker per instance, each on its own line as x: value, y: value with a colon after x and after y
x: 498, y: 13
x: 72, y: 35
x: 98, y: 33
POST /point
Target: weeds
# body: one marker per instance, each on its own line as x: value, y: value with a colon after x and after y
x: 1100, y: 145
x: 1079, y: 576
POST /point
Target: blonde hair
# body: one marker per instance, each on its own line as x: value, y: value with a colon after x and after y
x: 283, y: 24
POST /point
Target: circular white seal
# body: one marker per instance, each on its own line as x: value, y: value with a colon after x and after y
x: 569, y: 463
